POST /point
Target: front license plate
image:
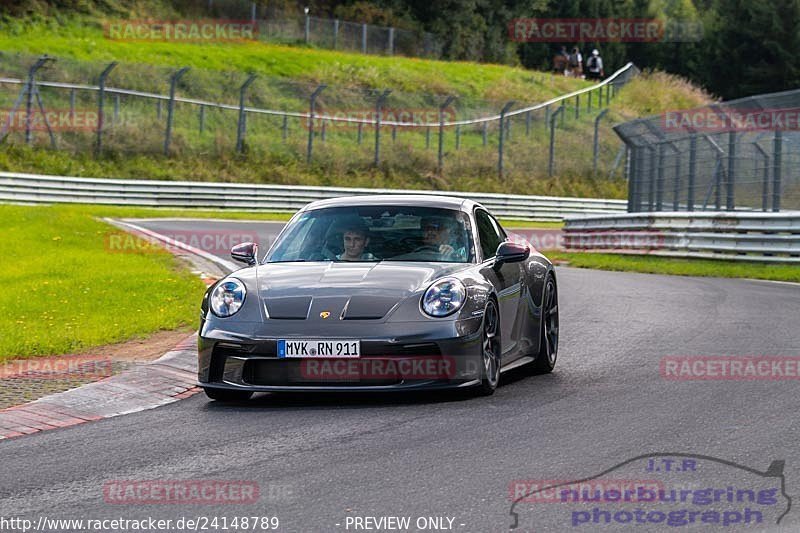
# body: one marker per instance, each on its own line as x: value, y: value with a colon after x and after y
x: 319, y: 348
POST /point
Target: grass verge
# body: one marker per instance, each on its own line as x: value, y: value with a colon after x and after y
x: 70, y: 292
x: 679, y: 267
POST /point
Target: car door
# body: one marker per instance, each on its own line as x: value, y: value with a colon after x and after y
x: 507, y: 278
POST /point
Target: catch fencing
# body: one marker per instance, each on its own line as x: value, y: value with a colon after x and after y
x: 290, y: 27
x: 138, y: 109
x: 737, y: 155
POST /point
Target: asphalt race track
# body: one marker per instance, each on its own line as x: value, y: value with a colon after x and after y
x: 322, y: 461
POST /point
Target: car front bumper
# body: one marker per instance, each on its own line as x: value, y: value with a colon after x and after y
x: 404, y: 356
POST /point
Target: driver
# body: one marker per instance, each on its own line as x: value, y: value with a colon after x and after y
x: 354, y: 241
x: 436, y: 236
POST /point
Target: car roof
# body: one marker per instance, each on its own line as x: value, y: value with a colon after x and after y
x: 419, y: 200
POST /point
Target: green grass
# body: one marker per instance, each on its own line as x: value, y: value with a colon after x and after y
x: 67, y: 292
x: 81, y: 38
x: 679, y: 267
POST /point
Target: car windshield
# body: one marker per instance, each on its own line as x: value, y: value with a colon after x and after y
x: 376, y: 233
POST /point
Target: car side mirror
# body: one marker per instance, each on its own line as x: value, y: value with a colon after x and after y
x: 511, y: 252
x: 246, y: 253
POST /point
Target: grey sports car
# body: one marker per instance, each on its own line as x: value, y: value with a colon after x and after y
x: 380, y: 293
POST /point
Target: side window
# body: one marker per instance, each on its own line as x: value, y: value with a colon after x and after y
x: 488, y: 234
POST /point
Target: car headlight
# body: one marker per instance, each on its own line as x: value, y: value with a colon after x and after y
x: 228, y: 297
x: 444, y: 297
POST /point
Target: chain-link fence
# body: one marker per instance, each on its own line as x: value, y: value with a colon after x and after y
x: 737, y: 155
x: 108, y: 109
x: 290, y: 27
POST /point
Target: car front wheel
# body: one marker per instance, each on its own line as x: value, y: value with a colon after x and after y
x: 490, y: 350
x: 548, y: 330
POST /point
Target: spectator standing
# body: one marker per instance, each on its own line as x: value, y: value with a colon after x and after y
x: 575, y: 68
x: 594, y: 66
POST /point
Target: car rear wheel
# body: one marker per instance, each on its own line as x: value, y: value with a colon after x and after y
x: 227, y: 395
x: 548, y: 330
x: 490, y: 349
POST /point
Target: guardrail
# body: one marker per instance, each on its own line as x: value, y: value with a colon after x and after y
x: 37, y: 189
x: 771, y: 237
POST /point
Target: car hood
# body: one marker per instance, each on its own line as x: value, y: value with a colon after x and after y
x: 350, y: 291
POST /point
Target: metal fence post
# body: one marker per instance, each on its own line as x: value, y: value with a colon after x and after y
x: 596, y: 141
x: 101, y: 97
x: 730, y: 198
x: 651, y: 189
x: 202, y: 118
x: 311, y: 104
x: 692, y: 172
x: 777, y: 160
x: 458, y: 137
x: 394, y: 133
x: 240, y: 129
x: 390, y: 47
x: 676, y: 192
x: 442, y: 107
x: 307, y: 29
x: 427, y: 138
x: 563, y: 109
x: 335, y: 33
x: 30, y: 91
x: 72, y: 102
x: 589, y: 98
x: 502, y: 135
x: 546, y: 117
x: 577, y: 106
x: 252, y: 12
x: 660, y: 179
x: 528, y: 124
x: 765, y: 179
x: 171, y: 107
x: 285, y: 127
x: 378, y: 111
x: 116, y: 108
x: 485, y: 133
x: 632, y: 178
x: 158, y: 109
x: 552, y: 152
x: 360, y: 132
x: 363, y: 38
